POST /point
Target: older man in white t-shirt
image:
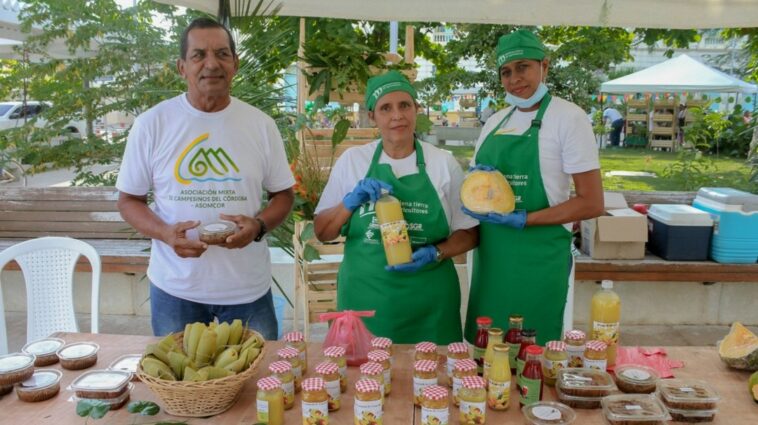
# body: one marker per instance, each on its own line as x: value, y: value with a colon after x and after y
x: 614, y: 117
x: 208, y: 158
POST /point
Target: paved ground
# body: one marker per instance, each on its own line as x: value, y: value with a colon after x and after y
x: 679, y: 335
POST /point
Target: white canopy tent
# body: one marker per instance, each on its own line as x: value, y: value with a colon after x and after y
x: 606, y: 13
x: 679, y: 74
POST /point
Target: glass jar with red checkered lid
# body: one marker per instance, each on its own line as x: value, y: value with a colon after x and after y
x: 375, y: 371
x: 575, y: 340
x: 330, y: 373
x: 296, y: 340
x: 473, y: 400
x: 426, y: 351
x: 382, y: 343
x: 596, y: 355
x: 315, y: 403
x: 269, y: 401
x: 383, y: 358
x: 336, y: 355
x: 462, y: 369
x: 424, y: 375
x: 282, y: 370
x: 555, y: 358
x: 434, y: 405
x: 293, y: 357
x: 455, y: 351
x: 368, y: 402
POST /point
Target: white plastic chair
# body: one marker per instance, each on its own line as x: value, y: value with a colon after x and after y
x: 48, y: 267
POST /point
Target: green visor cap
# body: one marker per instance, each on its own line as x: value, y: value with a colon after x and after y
x: 390, y: 81
x: 520, y: 44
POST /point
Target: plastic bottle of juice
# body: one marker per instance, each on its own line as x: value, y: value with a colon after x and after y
x: 605, y: 315
x: 483, y: 324
x: 394, y: 229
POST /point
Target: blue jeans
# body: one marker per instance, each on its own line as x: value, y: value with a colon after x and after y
x: 170, y: 314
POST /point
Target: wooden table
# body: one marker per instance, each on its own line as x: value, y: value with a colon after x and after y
x: 735, y: 407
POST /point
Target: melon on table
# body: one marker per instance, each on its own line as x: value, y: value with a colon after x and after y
x: 487, y: 191
x: 739, y: 349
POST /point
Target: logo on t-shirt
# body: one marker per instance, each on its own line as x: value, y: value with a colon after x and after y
x: 201, y: 164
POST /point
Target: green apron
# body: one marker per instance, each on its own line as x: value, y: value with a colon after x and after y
x: 410, y: 307
x: 522, y: 271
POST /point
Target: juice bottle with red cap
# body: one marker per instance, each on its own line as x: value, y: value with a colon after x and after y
x: 531, y: 377
x: 483, y: 324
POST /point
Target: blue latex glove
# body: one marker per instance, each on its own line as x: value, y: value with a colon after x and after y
x: 427, y: 254
x: 516, y: 219
x: 482, y: 167
x: 366, y: 190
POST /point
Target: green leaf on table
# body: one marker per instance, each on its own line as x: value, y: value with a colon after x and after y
x: 95, y: 409
x: 340, y: 131
x: 144, y: 408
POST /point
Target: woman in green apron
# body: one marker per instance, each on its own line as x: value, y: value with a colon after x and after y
x: 418, y: 301
x: 542, y: 144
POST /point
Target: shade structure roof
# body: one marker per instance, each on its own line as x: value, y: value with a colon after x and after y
x: 679, y: 74
x: 606, y: 13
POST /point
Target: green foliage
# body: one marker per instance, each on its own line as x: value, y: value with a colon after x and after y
x: 94, y: 409
x: 691, y: 170
x: 144, y: 408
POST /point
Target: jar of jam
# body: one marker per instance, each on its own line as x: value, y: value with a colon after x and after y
x: 382, y: 343
x: 462, y: 369
x: 426, y: 351
x: 383, y: 358
x: 434, y: 405
x: 555, y: 358
x: 483, y: 324
x: 596, y: 355
x: 336, y: 355
x: 315, y: 404
x: 330, y: 373
x: 367, y: 408
x: 455, y: 351
x: 297, y: 340
x: 495, y: 336
x: 424, y: 375
x: 513, y: 338
x: 282, y: 370
x: 293, y: 357
x: 375, y: 371
x: 270, y: 401
x: 473, y: 397
x: 575, y: 341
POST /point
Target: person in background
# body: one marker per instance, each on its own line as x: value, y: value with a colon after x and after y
x: 487, y: 112
x: 542, y: 144
x: 206, y: 156
x: 420, y: 300
x: 616, y: 120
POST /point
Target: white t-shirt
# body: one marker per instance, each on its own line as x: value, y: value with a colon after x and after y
x: 566, y: 144
x: 199, y: 165
x: 612, y: 115
x: 443, y: 170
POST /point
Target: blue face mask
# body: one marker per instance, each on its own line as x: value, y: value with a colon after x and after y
x: 531, y: 101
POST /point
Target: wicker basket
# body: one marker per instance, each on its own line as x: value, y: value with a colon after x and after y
x: 200, y: 399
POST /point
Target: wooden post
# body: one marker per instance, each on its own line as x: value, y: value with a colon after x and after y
x: 301, y: 90
x: 409, y: 45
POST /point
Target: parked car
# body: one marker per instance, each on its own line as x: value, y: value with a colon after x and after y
x: 14, y: 114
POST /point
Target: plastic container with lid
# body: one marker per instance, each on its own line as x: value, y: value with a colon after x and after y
x: 43, y: 385
x: 679, y: 232
x: 631, y: 378
x: 78, y: 355
x: 681, y: 415
x: 636, y: 409
x: 216, y: 233
x: 687, y: 394
x: 114, y: 403
x: 577, y: 402
x: 735, y: 228
x: 44, y: 350
x: 101, y: 384
x: 583, y: 382
x: 6, y: 389
x: 15, y: 368
x: 127, y: 363
x: 548, y: 413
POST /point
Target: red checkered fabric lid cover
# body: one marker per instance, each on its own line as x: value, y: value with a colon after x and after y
x: 372, y: 368
x: 287, y: 353
x: 367, y: 386
x: 327, y: 368
x: 473, y: 382
x: 378, y: 356
x: 556, y: 346
x: 281, y: 366
x: 464, y: 365
x: 426, y: 347
x: 269, y: 383
x: 294, y: 336
x: 381, y: 342
x: 435, y: 392
x: 313, y: 384
x: 575, y: 335
x: 334, y: 351
x: 425, y: 365
x: 596, y: 345
x: 457, y: 347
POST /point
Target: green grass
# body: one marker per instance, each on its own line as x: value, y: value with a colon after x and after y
x: 724, y: 171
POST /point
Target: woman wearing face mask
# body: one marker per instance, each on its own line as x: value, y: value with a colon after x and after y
x: 541, y: 144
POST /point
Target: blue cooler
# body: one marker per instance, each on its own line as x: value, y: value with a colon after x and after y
x: 735, y: 228
x: 678, y: 232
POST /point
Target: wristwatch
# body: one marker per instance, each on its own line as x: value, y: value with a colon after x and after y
x: 262, y: 231
x: 438, y: 257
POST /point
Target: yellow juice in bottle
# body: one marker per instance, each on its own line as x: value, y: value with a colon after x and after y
x: 605, y: 315
x: 394, y: 229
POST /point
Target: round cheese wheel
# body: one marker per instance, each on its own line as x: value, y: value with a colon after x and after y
x: 487, y: 191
